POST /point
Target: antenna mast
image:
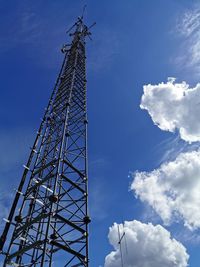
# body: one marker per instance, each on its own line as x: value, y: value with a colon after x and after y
x: 120, y: 245
x: 48, y: 220
x: 120, y: 238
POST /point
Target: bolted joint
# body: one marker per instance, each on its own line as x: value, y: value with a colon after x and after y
x: 44, y: 210
x: 67, y: 134
x: 53, y: 236
x: 87, y: 219
x: 53, y: 198
x: 18, y: 218
x: 85, y: 234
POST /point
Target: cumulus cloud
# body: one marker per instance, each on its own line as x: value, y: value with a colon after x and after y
x: 174, y: 106
x: 173, y: 189
x: 147, y: 246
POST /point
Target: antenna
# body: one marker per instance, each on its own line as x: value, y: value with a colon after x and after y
x: 93, y: 24
x: 84, y: 8
x: 81, y: 28
x: 120, y: 245
x: 121, y: 237
x: 124, y: 236
x: 71, y: 27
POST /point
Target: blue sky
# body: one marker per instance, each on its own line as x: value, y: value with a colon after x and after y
x: 135, y: 42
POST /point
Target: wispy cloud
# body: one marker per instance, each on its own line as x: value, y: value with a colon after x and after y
x: 188, y: 30
x: 5, y: 200
x: 149, y: 215
x: 172, y: 147
x: 169, y: 149
x: 106, y: 45
x: 26, y: 29
x: 98, y: 208
x: 14, y: 147
x: 185, y: 236
x: 35, y: 31
x: 99, y: 198
x: 189, y: 22
x: 42, y: 34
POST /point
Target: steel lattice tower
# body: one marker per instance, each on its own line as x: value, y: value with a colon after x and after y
x: 49, y: 220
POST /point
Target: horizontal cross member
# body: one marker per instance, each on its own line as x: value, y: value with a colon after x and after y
x: 72, y: 183
x: 33, y: 187
x: 35, y: 220
x: 24, y: 249
x: 44, y: 167
x: 73, y: 168
x: 75, y: 253
x: 73, y: 225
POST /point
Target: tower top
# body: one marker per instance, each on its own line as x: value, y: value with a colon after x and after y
x: 81, y: 29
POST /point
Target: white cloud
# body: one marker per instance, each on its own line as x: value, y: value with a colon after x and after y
x: 174, y: 106
x: 147, y: 246
x: 173, y: 189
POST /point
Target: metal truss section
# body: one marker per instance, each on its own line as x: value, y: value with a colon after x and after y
x: 48, y: 222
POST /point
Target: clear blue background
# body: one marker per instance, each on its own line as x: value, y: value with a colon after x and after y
x: 134, y: 43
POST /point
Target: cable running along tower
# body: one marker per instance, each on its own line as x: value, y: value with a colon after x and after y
x: 48, y: 220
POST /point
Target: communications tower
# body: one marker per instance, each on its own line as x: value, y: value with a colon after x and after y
x: 48, y: 220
